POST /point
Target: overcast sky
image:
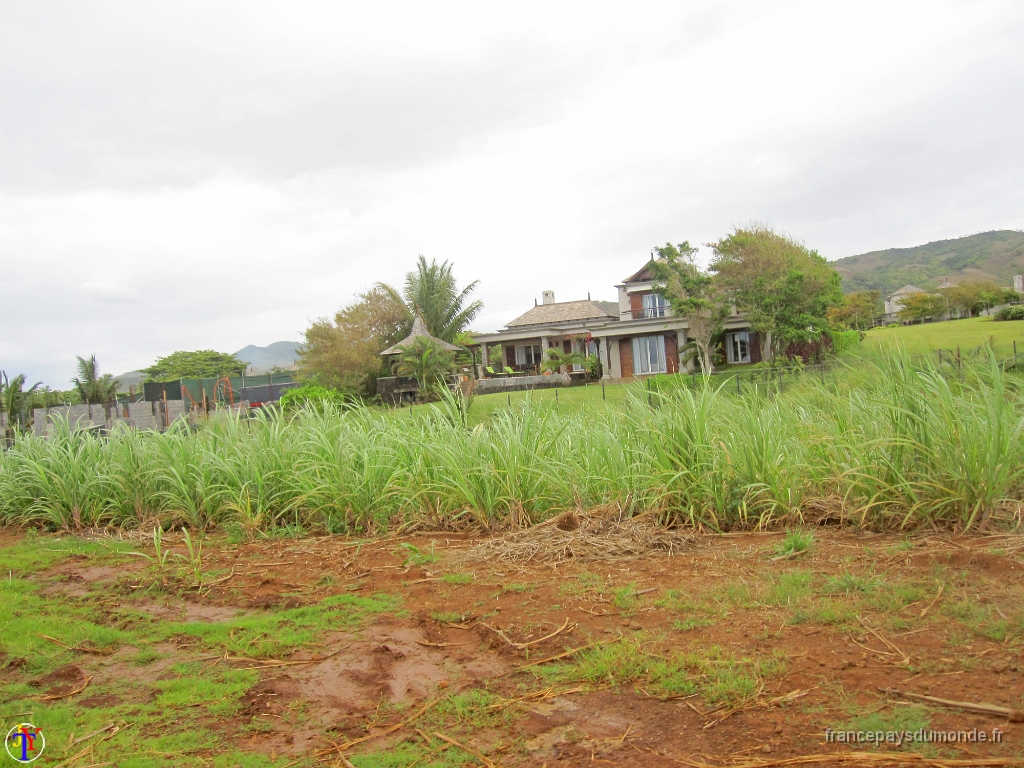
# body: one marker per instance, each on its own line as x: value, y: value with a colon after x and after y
x: 214, y: 174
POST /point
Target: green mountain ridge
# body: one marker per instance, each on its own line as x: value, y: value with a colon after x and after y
x: 997, y: 256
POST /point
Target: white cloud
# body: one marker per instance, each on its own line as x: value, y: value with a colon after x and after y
x: 108, y: 292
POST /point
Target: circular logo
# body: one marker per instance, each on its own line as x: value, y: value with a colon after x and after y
x: 25, y: 742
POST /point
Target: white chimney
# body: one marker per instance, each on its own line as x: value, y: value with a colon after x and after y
x: 548, y: 297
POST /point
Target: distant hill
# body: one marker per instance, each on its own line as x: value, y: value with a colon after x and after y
x: 994, y: 256
x: 130, y: 379
x: 282, y: 354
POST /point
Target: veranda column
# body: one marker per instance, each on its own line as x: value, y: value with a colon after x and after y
x: 606, y: 362
x: 483, y: 355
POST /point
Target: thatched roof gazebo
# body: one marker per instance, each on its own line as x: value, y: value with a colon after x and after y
x: 419, y: 328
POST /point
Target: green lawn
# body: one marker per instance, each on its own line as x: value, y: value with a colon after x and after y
x: 916, y: 339
x: 569, y: 399
x: 967, y: 334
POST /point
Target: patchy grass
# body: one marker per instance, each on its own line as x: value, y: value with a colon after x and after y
x: 896, y: 719
x: 518, y: 588
x: 717, y: 676
x: 796, y: 542
x: 36, y: 553
x: 276, y: 634
x: 458, y: 579
x: 695, y: 613
x: 415, y: 556
x: 625, y: 598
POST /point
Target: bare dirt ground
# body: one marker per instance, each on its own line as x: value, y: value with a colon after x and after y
x: 716, y: 652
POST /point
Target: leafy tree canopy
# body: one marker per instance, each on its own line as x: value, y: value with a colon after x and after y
x: 783, y: 288
x: 91, y: 386
x: 201, y: 364
x: 14, y: 398
x: 918, y: 306
x: 691, y: 293
x: 858, y: 311
x: 972, y: 296
x: 433, y: 291
x: 344, y: 353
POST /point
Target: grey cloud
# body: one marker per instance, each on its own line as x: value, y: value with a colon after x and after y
x: 947, y: 165
x: 127, y: 117
x: 108, y: 292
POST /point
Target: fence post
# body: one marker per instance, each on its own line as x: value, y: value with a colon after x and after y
x: 780, y: 382
x: 556, y: 398
x: 738, y: 383
x: 510, y: 399
x: 602, y: 390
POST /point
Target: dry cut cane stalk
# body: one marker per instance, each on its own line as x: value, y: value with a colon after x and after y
x: 80, y: 648
x: 1013, y: 715
x: 924, y: 611
x: 67, y: 695
x: 482, y: 758
x: 570, y: 652
x: 520, y: 646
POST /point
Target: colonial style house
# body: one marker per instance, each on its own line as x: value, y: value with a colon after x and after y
x: 636, y: 336
x: 893, y: 302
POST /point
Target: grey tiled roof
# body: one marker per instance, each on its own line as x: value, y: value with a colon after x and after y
x: 563, y: 312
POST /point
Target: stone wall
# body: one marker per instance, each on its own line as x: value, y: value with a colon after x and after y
x: 521, y: 383
x: 144, y: 414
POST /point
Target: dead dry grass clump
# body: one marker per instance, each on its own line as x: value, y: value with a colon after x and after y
x: 582, y: 537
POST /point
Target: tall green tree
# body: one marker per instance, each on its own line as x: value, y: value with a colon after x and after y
x: 14, y: 399
x: 692, y: 294
x: 973, y: 296
x: 858, y: 311
x: 918, y: 306
x: 91, y: 386
x: 782, y: 288
x: 432, y: 291
x: 344, y: 353
x: 201, y: 364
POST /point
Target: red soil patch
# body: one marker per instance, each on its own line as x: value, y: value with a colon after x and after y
x: 406, y: 661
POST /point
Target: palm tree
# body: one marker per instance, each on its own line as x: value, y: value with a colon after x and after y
x: 14, y: 398
x: 557, y: 360
x: 424, y: 360
x: 91, y: 386
x: 432, y: 291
